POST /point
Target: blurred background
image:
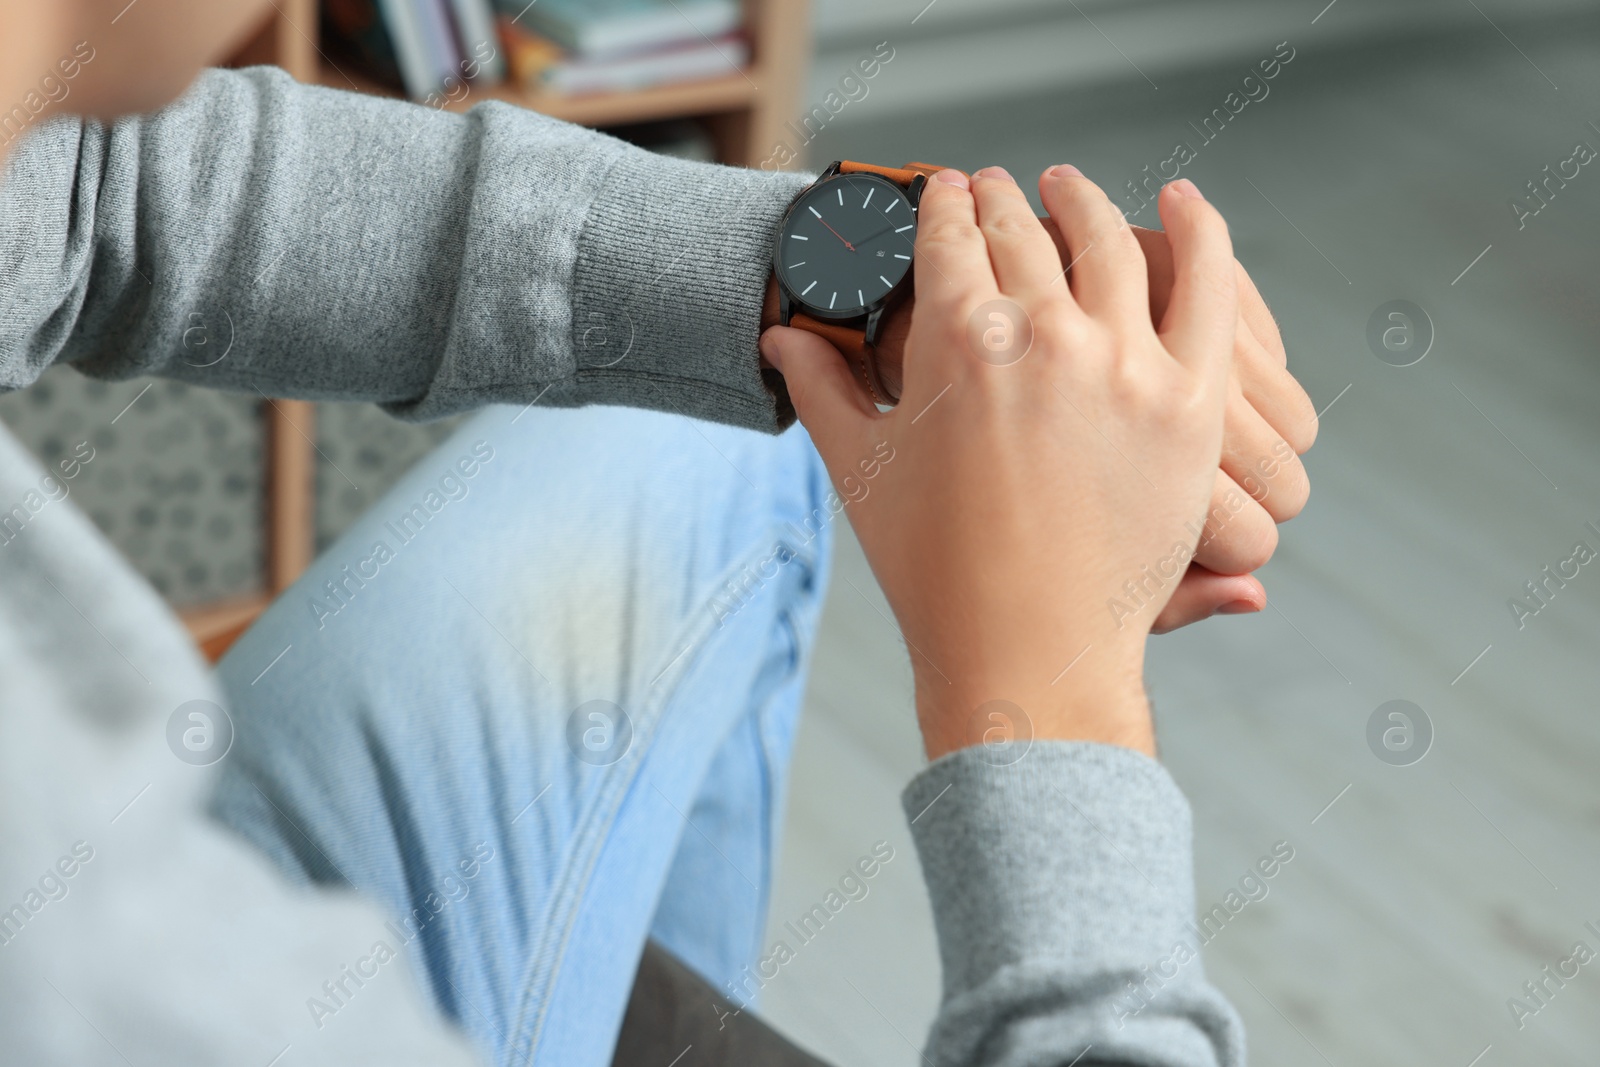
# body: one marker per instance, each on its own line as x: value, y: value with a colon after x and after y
x: 1381, y: 167
x: 1413, y: 194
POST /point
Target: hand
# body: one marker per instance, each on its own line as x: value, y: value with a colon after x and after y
x: 1270, y: 423
x: 1013, y: 508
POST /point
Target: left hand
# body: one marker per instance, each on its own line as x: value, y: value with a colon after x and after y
x: 1270, y: 422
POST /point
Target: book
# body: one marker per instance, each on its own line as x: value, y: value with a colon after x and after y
x: 445, y: 62
x: 573, y: 75
x: 427, y: 47
x: 528, y: 55
x: 609, y: 28
x: 357, y: 27
x: 480, y: 45
x: 411, y: 52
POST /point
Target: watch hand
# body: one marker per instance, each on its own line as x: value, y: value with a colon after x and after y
x: 880, y: 233
x: 836, y: 233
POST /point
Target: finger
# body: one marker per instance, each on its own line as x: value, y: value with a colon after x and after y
x: 952, y: 258
x: 825, y: 395
x: 1258, y: 317
x: 1274, y: 392
x: 1022, y: 255
x: 1258, y: 358
x: 1255, y: 318
x: 1238, y: 536
x: 1202, y: 594
x: 1107, y: 266
x: 1261, y: 462
x: 1202, y: 315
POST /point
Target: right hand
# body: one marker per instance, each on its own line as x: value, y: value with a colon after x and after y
x: 1013, y: 505
x: 1270, y: 423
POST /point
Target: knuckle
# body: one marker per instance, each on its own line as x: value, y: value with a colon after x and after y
x: 1269, y: 471
x: 1291, y: 499
x: 1120, y: 233
x: 1290, y: 492
x: 1069, y: 332
x: 1152, y: 399
x: 1238, y: 544
x: 945, y: 231
x: 1081, y: 190
x: 1301, y: 432
x: 1011, y: 226
x: 1257, y: 547
x: 1084, y: 198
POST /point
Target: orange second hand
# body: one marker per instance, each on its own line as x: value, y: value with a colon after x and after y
x: 836, y: 233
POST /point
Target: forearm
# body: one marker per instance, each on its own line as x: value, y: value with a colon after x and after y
x: 355, y: 248
x: 1063, y: 898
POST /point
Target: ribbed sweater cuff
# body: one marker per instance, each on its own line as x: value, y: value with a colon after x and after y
x: 1078, y: 854
x: 677, y: 301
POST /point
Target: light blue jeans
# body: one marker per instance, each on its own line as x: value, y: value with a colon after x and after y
x: 539, y: 702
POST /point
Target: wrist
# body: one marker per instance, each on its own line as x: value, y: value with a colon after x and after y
x: 1106, y: 703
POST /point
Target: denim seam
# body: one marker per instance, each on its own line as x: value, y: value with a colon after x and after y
x: 577, y: 875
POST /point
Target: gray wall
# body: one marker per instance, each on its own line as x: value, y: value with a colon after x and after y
x: 974, y: 50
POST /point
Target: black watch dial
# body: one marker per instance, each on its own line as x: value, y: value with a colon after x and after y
x: 845, y: 244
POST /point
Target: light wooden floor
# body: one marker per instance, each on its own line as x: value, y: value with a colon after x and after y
x: 1427, y: 895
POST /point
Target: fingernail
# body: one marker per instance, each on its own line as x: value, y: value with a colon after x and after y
x: 1238, y: 607
x: 996, y: 172
x: 1065, y: 170
x: 1185, y: 187
x: 952, y: 177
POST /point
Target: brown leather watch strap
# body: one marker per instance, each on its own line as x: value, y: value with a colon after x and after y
x: 898, y: 175
x: 849, y: 340
x: 852, y: 342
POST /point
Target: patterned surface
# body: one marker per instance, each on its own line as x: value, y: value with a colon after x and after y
x: 362, y: 451
x: 175, y: 481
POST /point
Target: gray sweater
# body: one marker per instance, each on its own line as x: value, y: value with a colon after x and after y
x: 433, y: 262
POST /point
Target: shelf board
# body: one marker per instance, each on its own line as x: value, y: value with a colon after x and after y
x: 710, y: 97
x: 215, y: 627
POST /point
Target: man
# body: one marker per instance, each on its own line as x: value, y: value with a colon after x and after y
x: 518, y: 723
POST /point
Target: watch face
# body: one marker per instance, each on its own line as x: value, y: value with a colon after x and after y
x: 845, y: 244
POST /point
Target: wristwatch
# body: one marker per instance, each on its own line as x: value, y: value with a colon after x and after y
x: 843, y: 257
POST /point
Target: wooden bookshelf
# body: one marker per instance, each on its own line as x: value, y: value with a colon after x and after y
x: 709, y: 97
x: 744, y: 114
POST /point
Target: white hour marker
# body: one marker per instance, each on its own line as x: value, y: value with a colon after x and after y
x: 797, y: 237
x: 906, y: 227
x: 814, y: 211
x: 897, y: 255
x: 802, y: 263
x: 860, y: 299
x: 885, y: 281
x: 808, y: 288
x: 892, y: 205
x: 868, y: 200
x: 841, y: 196
x: 834, y: 300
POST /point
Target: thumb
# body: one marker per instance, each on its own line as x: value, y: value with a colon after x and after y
x: 1202, y: 594
x: 830, y: 404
